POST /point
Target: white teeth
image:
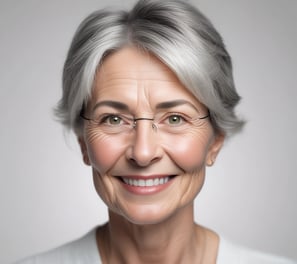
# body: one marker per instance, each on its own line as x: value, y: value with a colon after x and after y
x: 141, y: 183
x: 147, y: 183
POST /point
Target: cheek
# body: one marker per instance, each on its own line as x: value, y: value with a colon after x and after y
x: 188, y: 152
x: 104, y: 188
x: 104, y: 151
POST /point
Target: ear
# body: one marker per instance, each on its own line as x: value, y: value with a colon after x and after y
x: 84, y: 151
x: 214, y: 149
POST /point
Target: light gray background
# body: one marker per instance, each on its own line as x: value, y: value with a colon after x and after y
x: 46, y: 193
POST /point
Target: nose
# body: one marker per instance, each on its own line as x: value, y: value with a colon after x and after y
x: 145, y: 148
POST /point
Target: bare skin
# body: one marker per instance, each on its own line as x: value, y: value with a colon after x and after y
x: 149, y: 222
x: 119, y: 241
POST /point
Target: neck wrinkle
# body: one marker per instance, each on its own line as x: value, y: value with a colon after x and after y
x: 176, y: 240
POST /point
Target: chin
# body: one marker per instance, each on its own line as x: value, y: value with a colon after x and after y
x: 147, y: 214
x: 140, y: 214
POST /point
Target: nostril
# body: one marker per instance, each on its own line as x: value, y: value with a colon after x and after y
x: 143, y: 162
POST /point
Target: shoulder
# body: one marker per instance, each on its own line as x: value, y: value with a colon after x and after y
x: 80, y: 251
x: 230, y: 253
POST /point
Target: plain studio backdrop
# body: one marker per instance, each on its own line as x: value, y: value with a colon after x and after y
x: 46, y: 192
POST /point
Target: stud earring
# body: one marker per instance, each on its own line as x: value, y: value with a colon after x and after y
x: 210, y: 163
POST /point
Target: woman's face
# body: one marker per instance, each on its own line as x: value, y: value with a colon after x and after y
x: 145, y: 170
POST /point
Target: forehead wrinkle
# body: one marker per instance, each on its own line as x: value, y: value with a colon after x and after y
x: 143, y: 105
x: 147, y: 73
x: 138, y: 75
x: 117, y: 83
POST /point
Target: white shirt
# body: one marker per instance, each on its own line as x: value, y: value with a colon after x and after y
x: 230, y: 253
x: 84, y: 251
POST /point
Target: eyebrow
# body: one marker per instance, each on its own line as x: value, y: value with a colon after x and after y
x: 163, y: 105
x: 114, y: 104
x: 174, y: 103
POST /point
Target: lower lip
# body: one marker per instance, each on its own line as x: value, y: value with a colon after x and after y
x: 142, y: 190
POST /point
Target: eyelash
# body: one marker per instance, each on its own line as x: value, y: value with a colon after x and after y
x: 104, y: 118
x: 180, y: 115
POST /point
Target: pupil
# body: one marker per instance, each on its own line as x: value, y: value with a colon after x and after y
x: 174, y: 119
x: 115, y: 120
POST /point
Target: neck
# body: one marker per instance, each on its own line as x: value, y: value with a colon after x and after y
x: 175, y: 240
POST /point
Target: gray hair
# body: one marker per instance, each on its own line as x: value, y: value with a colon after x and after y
x: 174, y: 31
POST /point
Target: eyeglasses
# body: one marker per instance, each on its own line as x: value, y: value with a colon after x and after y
x: 116, y: 123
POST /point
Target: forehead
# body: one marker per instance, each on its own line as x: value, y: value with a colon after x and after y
x: 133, y: 63
x: 134, y: 74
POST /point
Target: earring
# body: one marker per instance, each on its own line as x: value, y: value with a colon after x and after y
x: 210, y: 163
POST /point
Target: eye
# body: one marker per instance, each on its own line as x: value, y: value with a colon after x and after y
x: 113, y: 120
x: 175, y: 120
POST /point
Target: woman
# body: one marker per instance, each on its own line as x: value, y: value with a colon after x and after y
x: 150, y: 96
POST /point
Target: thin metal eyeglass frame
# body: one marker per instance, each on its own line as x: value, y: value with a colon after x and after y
x: 134, y: 120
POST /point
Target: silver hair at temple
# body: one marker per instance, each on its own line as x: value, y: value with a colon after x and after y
x: 175, y: 32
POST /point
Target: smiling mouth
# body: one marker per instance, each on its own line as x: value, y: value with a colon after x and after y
x: 146, y: 182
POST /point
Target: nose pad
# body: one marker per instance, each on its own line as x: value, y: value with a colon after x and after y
x: 145, y: 148
x: 143, y: 118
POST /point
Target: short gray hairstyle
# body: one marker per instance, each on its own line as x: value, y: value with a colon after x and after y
x: 175, y: 32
